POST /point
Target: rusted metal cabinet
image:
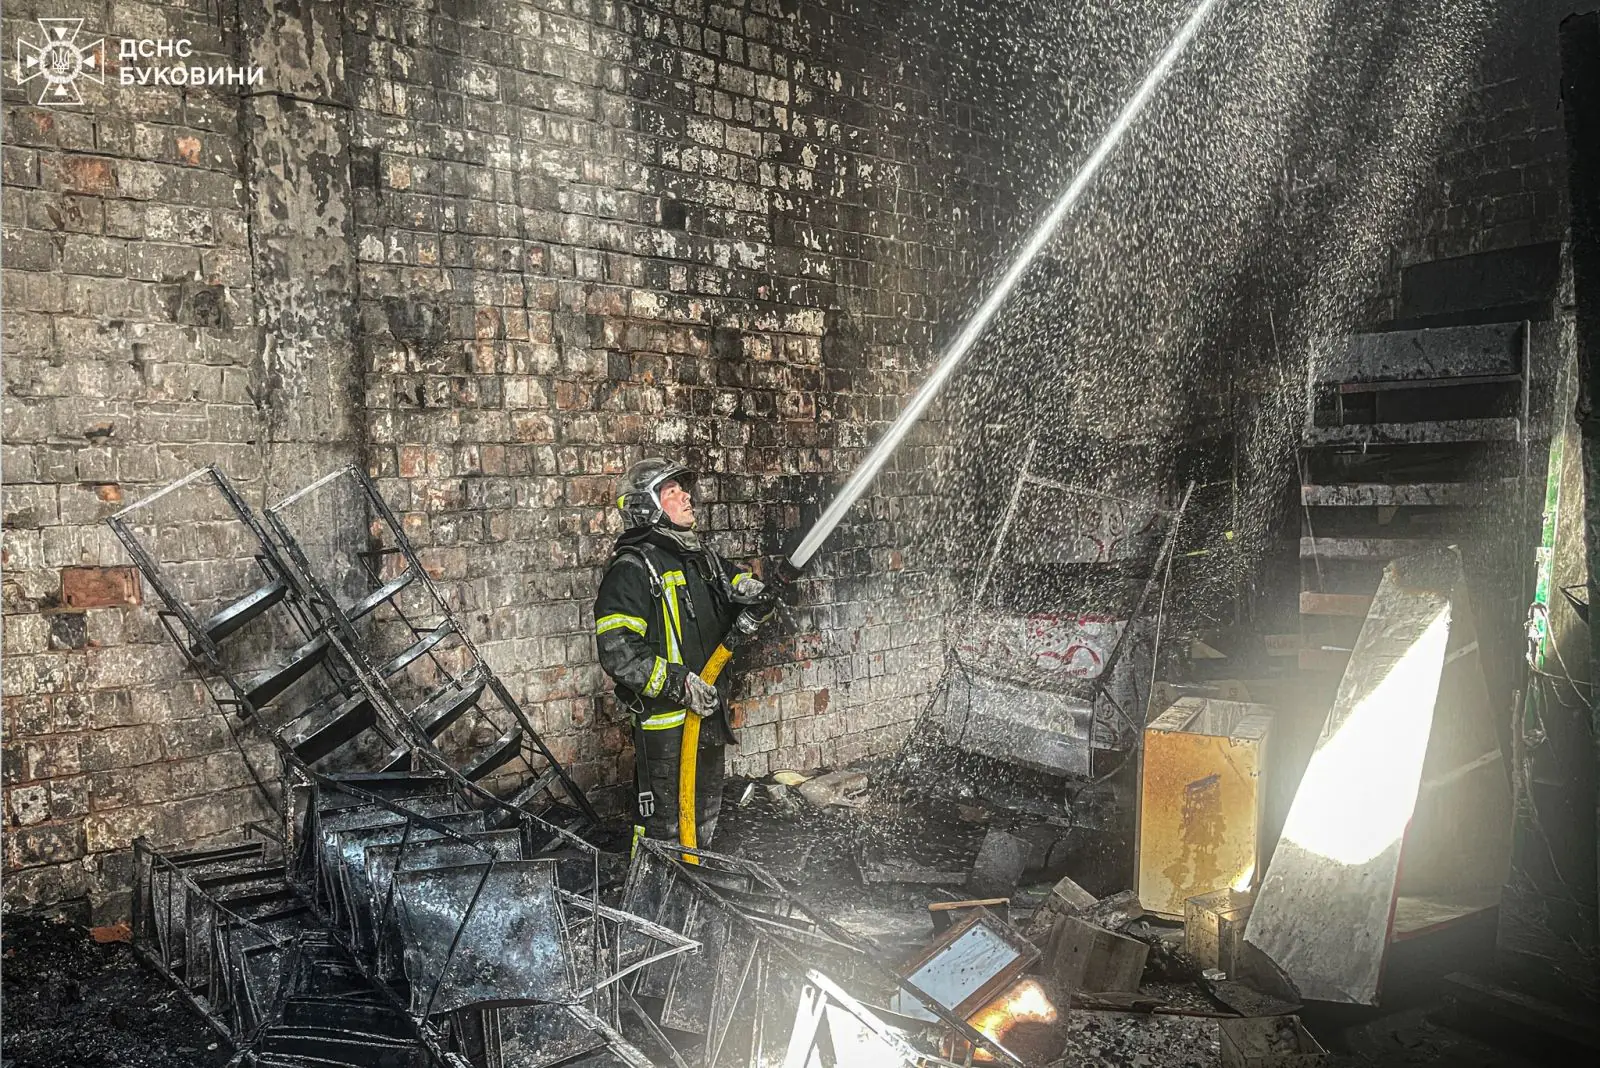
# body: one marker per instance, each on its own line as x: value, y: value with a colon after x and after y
x: 1201, y: 802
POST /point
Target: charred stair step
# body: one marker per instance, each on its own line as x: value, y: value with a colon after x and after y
x: 236, y: 877
x: 421, y: 647
x: 251, y: 606
x: 273, y: 909
x: 503, y: 750
x: 383, y: 593
x: 449, y: 704
x: 397, y: 761
x: 245, y: 851
x: 1436, y: 432
x: 1404, y: 494
x: 269, y: 684
x: 323, y: 730
x: 1364, y: 549
x: 334, y: 1046
x: 386, y: 784
x: 1353, y: 605
x: 365, y: 1015
x: 1445, y: 355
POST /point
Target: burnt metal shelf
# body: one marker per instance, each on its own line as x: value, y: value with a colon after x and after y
x: 418, y: 649
x: 500, y: 753
x: 439, y: 712
x: 271, y: 683
x: 521, y: 796
x: 365, y: 605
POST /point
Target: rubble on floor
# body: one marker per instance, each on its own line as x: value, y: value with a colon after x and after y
x: 440, y: 894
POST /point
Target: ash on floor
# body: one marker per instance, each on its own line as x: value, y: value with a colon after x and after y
x: 1129, y: 1040
x: 72, y: 1001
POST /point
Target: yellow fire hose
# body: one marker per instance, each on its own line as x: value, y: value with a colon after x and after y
x: 689, y: 759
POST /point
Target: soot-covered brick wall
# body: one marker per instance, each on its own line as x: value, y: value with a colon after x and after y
x: 493, y: 251
x: 1500, y: 179
x: 727, y: 232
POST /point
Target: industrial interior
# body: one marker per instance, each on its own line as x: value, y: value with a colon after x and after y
x: 800, y: 533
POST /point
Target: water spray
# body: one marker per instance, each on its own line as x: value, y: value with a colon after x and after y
x: 862, y: 477
x: 953, y: 356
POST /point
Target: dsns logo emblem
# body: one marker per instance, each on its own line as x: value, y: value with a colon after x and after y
x: 60, y: 61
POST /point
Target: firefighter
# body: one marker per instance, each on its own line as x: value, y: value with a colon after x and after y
x: 665, y: 603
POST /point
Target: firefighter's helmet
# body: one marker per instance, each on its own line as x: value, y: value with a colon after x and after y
x: 639, y: 494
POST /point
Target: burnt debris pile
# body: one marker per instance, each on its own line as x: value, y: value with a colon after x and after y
x: 429, y: 893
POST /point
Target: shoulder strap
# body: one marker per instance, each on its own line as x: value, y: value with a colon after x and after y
x: 657, y: 587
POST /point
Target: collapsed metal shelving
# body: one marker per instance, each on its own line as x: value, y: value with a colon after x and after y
x: 278, y: 946
x: 758, y: 967
x: 397, y: 928
x: 407, y: 910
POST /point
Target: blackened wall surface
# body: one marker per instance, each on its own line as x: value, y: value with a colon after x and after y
x: 1499, y: 180
x: 493, y: 251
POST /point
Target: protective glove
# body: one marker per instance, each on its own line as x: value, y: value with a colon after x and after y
x: 750, y: 589
x: 699, y: 695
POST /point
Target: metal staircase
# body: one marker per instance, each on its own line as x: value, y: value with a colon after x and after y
x: 1413, y: 439
x: 354, y: 670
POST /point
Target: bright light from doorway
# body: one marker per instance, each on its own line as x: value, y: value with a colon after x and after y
x: 1361, y: 785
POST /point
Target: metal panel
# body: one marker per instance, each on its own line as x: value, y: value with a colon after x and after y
x: 1035, y: 728
x: 1323, y: 911
x: 484, y: 934
x: 1201, y: 801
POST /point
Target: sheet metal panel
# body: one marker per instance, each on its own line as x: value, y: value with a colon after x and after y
x: 1201, y: 799
x: 1323, y: 911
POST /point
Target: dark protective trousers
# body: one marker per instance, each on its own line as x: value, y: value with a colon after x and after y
x: 661, y: 752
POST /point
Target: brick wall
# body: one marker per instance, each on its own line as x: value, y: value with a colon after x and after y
x: 493, y: 250
x: 1501, y: 180
x: 133, y: 355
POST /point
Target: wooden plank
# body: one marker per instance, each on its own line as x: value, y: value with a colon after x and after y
x: 1418, y: 355
x: 1434, y: 432
x: 1411, y: 494
x: 1334, y: 604
x: 1322, y: 912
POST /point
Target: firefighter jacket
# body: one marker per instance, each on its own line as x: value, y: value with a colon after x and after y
x: 660, y: 614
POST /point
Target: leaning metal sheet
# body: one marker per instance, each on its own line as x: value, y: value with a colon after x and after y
x: 484, y: 934
x: 1324, y: 910
x: 644, y: 894
x: 692, y: 991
